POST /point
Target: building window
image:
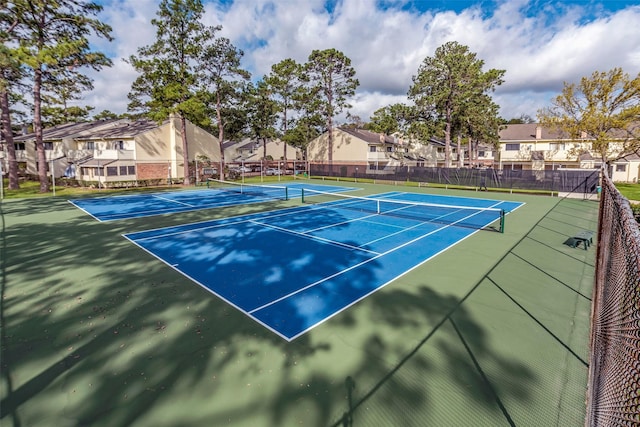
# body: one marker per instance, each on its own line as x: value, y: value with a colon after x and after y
x: 556, y: 146
x: 48, y: 145
x: 19, y: 146
x: 131, y: 170
x: 112, y: 171
x: 372, y: 149
x: 91, y: 145
x: 621, y: 168
x: 123, y: 170
x: 118, y: 145
x: 481, y: 153
x: 512, y: 147
x: 389, y: 149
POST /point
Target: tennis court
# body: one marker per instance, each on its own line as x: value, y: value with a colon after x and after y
x: 493, y: 331
x: 217, y: 194
x: 292, y: 269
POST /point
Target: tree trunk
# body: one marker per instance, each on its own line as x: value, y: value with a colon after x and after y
x: 264, y: 148
x: 460, y: 153
x: 185, y: 149
x: 8, y: 137
x: 220, y: 136
x: 37, y: 127
x: 330, y: 129
x: 447, y: 140
x: 285, y: 132
x: 447, y: 144
x: 330, y: 144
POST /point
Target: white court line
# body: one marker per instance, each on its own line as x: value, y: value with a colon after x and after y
x: 354, y: 266
x: 311, y: 237
x: 173, y: 201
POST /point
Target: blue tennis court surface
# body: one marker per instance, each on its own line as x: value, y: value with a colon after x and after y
x: 112, y: 208
x: 294, y: 268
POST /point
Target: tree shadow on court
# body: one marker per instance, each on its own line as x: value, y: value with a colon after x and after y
x: 452, y: 342
x: 98, y: 332
x: 105, y: 330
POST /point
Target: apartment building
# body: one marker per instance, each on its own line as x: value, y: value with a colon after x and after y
x: 115, y: 150
x: 375, y: 153
x: 530, y: 146
x: 252, y: 150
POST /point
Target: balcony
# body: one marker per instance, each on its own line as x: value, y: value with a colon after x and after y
x: 377, y: 156
x: 113, y: 154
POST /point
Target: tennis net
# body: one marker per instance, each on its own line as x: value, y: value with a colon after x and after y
x: 461, y: 216
x: 264, y: 191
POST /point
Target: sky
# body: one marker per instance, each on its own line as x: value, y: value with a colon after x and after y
x: 540, y: 44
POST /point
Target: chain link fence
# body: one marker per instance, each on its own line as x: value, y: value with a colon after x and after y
x: 552, y: 181
x: 613, y: 396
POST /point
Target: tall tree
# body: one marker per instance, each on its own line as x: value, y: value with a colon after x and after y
x: 58, y: 89
x: 285, y: 81
x: 10, y: 73
x: 478, y: 121
x: 391, y: 119
x: 54, y: 36
x: 225, y: 79
x: 604, y: 107
x: 483, y: 125
x: 310, y: 122
x: 446, y: 84
x: 169, y: 78
x: 107, y: 115
x: 262, y: 113
x: 330, y: 71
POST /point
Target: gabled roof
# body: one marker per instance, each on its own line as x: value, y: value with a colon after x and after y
x: 370, y: 137
x: 125, y: 129
x: 101, y: 129
x: 630, y: 158
x: 585, y: 156
x: 527, y: 132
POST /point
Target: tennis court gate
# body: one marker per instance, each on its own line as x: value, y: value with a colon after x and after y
x: 613, y: 395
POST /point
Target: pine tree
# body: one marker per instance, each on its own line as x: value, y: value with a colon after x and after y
x: 226, y: 80
x: 447, y: 86
x: 330, y: 71
x: 53, y: 36
x: 169, y: 80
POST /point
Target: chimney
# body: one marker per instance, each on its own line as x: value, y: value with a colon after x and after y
x: 538, y: 132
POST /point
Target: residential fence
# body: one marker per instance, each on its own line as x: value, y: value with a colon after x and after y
x: 613, y: 396
x: 552, y: 181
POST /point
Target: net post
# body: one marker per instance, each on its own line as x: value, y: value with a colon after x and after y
x: 302, y: 194
x: 502, y: 216
x: 286, y: 193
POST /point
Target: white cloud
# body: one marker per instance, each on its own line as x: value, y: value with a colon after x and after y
x: 539, y: 49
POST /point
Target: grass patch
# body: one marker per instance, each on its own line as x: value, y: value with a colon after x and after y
x: 31, y: 189
x: 630, y: 191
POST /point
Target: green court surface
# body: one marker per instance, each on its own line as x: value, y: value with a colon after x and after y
x: 492, y: 332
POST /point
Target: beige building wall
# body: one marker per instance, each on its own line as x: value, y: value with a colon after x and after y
x: 346, y: 148
x: 160, y: 149
x: 625, y: 171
